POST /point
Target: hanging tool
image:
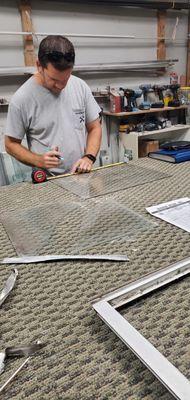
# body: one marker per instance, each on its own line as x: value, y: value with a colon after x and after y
x: 42, y: 175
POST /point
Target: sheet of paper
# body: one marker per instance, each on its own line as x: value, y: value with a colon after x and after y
x: 176, y: 212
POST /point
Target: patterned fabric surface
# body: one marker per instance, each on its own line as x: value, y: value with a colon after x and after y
x: 52, y: 302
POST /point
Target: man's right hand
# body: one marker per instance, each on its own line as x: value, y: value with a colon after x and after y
x: 50, y: 159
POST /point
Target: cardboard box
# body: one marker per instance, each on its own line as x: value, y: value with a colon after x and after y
x: 145, y: 146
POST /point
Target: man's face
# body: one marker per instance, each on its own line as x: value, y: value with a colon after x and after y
x: 53, y: 79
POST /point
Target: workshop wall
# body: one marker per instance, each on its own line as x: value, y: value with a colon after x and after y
x: 60, y: 17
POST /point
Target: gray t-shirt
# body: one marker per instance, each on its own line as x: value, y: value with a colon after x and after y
x: 50, y: 120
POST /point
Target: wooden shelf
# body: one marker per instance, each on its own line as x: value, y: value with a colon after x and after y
x: 131, y: 141
x: 152, y: 110
x: 173, y: 128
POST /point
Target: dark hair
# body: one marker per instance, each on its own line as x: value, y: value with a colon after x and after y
x: 58, y: 51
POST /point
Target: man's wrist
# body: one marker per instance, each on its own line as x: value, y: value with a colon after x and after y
x: 90, y: 157
x: 37, y: 160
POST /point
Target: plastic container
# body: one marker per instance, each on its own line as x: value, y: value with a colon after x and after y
x: 173, y: 78
x: 115, y: 103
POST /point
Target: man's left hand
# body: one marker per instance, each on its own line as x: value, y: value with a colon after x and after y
x: 82, y: 165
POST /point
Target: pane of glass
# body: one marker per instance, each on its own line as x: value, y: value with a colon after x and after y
x: 108, y: 180
x: 78, y: 227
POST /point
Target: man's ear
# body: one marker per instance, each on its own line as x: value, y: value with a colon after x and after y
x: 39, y: 67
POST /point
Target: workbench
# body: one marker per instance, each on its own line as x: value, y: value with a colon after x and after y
x: 53, y: 301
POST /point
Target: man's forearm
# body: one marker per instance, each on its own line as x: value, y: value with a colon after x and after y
x: 50, y: 159
x: 94, y: 137
x: 94, y: 141
x: 22, y: 154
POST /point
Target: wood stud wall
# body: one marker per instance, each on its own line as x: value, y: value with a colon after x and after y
x: 161, y: 24
x: 26, y: 20
x: 188, y: 54
x: 29, y: 50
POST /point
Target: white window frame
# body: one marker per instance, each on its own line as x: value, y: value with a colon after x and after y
x: 176, y: 383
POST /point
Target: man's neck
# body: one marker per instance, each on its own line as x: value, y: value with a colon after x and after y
x: 38, y: 79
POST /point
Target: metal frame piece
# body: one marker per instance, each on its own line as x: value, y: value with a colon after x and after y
x: 64, y: 257
x: 9, y: 285
x: 15, y: 373
x: 169, y: 376
x: 19, y: 351
x: 153, y: 65
x: 155, y: 4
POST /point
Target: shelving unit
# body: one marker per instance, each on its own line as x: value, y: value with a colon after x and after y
x: 180, y: 131
x: 131, y: 141
x: 152, y: 110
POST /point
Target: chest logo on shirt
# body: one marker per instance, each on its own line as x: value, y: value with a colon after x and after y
x: 79, y: 118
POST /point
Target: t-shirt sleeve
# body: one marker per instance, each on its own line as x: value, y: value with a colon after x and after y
x: 14, y: 125
x: 92, y: 108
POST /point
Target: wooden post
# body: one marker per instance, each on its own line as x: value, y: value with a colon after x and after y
x: 161, y: 46
x: 188, y: 54
x: 26, y: 19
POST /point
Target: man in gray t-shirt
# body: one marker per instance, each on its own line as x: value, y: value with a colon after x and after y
x: 57, y: 113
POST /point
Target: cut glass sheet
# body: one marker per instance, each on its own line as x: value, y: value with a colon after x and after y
x: 176, y: 212
x: 71, y: 227
x: 98, y: 183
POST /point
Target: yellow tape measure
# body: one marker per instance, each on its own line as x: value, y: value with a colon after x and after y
x: 92, y: 170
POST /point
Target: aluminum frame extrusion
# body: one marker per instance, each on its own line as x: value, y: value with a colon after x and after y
x: 175, y: 382
x: 14, y: 374
x: 63, y: 257
x: 99, y: 67
x: 156, y: 4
